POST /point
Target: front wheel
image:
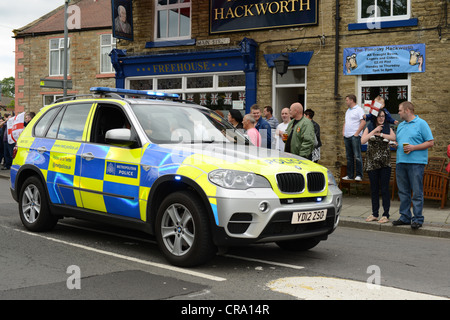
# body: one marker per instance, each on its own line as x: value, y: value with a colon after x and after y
x: 33, y: 206
x: 182, y: 230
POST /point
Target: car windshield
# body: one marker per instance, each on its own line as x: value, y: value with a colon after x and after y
x: 184, y: 124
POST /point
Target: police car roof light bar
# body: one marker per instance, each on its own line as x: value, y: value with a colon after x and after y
x: 130, y: 92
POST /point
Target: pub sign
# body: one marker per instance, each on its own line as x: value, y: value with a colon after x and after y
x: 238, y: 15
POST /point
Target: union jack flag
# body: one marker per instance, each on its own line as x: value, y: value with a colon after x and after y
x: 228, y: 99
x: 242, y: 96
x: 384, y: 93
x: 203, y: 99
x: 365, y: 93
x: 214, y: 98
x: 190, y: 97
x: 401, y: 93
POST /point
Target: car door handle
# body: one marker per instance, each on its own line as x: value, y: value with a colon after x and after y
x: 41, y: 149
x: 87, y: 156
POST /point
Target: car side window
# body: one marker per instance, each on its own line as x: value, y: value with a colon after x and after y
x: 44, y: 121
x: 72, y: 122
x: 108, y: 117
x: 53, y: 130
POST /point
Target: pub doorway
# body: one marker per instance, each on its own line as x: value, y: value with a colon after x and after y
x: 289, y: 88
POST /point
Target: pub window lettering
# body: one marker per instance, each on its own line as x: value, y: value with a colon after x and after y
x: 383, y: 10
x: 173, y: 19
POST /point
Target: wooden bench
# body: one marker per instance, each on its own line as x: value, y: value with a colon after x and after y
x: 436, y: 164
x: 365, y: 181
x: 435, y: 186
x: 436, y: 180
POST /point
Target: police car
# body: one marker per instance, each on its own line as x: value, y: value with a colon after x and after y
x: 175, y: 170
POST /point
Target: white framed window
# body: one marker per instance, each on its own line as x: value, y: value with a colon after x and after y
x: 172, y: 19
x: 56, y: 56
x: 383, y: 10
x: 289, y: 88
x: 393, y: 88
x: 51, y: 98
x: 217, y: 91
x: 107, y: 43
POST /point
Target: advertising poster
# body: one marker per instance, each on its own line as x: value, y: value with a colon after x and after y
x: 408, y: 58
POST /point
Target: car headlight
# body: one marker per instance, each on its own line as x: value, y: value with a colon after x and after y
x: 234, y: 179
x: 331, y: 180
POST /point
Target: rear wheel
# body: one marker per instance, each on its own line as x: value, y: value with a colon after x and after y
x: 182, y: 230
x: 33, y: 206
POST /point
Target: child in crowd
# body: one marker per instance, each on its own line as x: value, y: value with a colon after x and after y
x: 389, y: 119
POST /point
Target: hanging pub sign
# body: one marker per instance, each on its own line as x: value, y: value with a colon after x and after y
x: 122, y: 19
x: 407, y: 58
x: 238, y: 15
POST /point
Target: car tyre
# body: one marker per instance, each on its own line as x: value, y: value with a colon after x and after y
x: 298, y: 244
x: 182, y: 230
x: 33, y: 206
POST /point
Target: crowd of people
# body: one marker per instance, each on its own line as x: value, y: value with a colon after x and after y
x: 412, y: 141
x: 6, y: 147
x: 298, y: 133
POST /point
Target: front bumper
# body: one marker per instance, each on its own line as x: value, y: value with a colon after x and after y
x: 242, y: 218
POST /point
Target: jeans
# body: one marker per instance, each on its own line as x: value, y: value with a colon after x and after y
x: 410, y: 180
x: 379, y: 181
x: 353, y: 151
x: 8, y: 149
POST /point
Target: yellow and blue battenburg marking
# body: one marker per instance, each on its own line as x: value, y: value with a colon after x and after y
x: 111, y: 181
x: 116, y: 180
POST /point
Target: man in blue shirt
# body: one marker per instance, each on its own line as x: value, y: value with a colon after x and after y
x: 262, y: 126
x: 414, y: 137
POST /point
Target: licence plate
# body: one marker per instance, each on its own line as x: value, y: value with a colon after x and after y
x: 309, y: 216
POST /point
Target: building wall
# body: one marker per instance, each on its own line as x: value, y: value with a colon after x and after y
x: 429, y: 90
x: 32, y: 64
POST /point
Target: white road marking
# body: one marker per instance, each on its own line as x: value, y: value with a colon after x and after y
x: 107, y: 233
x: 323, y: 288
x: 128, y: 258
x: 292, y: 266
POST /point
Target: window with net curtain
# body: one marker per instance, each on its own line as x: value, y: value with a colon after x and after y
x: 107, y: 43
x: 57, y: 57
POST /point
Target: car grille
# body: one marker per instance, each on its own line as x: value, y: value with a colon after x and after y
x: 316, y: 181
x: 295, y: 182
x: 291, y: 182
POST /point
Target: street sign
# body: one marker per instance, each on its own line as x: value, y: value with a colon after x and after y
x: 54, y: 83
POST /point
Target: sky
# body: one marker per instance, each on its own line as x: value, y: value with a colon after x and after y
x: 13, y: 15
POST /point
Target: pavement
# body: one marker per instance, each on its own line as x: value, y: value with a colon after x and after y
x: 356, y: 208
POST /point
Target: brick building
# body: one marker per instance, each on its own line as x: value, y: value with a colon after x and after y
x: 40, y: 47
x: 221, y: 54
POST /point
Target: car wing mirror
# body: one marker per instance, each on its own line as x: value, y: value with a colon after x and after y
x: 120, y: 137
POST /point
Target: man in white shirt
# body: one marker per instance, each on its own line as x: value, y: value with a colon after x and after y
x: 352, y: 130
x: 281, y: 128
